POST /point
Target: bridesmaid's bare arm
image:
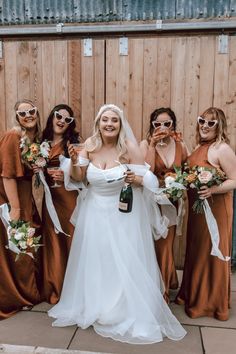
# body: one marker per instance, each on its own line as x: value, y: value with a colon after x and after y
x: 10, y: 186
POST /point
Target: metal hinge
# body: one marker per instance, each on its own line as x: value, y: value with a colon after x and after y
x: 123, y: 46
x: 223, y: 44
x: 88, y: 47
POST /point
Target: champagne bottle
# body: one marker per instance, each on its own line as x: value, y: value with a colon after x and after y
x: 126, y: 198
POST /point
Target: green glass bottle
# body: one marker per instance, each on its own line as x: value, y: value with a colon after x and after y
x: 126, y: 198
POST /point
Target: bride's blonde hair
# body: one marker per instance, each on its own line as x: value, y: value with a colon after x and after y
x: 95, y: 141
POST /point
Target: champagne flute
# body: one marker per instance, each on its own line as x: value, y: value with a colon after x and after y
x: 162, y: 127
x: 51, y: 171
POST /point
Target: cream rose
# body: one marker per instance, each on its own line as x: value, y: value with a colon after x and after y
x: 205, y: 177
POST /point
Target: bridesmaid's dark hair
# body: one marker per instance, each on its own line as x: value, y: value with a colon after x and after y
x: 70, y: 134
x: 155, y: 114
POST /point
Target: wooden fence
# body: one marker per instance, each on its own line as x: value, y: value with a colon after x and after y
x: 184, y: 72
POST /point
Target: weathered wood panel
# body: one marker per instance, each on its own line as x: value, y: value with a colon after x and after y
x: 2, y: 98
x: 74, y: 78
x: 11, y: 94
x: 92, y: 69
x: 186, y: 73
x: 231, y: 99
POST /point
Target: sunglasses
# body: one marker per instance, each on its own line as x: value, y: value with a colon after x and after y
x: 166, y: 124
x: 29, y: 112
x: 210, y: 123
x: 67, y: 120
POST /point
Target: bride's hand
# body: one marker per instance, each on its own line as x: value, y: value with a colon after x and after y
x: 72, y: 153
x: 130, y: 177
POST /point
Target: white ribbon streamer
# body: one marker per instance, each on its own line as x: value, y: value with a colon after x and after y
x: 180, y: 217
x: 214, y: 232
x: 159, y: 223
x: 50, y: 207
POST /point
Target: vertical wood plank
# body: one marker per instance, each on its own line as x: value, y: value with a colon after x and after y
x: 10, y: 50
x: 123, y: 83
x: 135, y: 104
x: 23, y: 70
x: 192, y: 68
x: 74, y: 78
x: 112, y: 62
x: 36, y: 76
x: 49, y: 81
x: 207, y: 67
x: 149, y: 80
x: 87, y: 94
x: 99, y: 74
x: 117, y: 80
x: 221, y: 77
x: 231, y: 100
x: 178, y: 76
x: 2, y: 98
x: 164, y: 64
x: 61, y: 71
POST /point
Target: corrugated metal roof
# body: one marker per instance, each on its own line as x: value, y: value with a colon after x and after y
x: 82, y: 11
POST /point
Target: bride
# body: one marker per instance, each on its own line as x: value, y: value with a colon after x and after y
x: 112, y: 280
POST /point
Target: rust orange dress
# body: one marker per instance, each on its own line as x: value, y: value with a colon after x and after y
x: 19, y: 280
x: 205, y: 289
x: 164, y: 247
x: 56, y: 246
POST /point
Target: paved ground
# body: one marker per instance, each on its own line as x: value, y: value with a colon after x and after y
x: 31, y: 332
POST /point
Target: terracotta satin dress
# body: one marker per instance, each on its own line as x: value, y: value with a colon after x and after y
x: 56, y: 246
x: 164, y: 247
x: 19, y: 280
x: 205, y: 289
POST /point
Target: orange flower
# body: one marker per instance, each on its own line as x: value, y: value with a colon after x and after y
x: 34, y: 149
x: 171, y: 174
x: 191, y: 178
x: 220, y: 173
x: 30, y: 241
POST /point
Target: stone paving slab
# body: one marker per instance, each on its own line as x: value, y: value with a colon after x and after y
x: 34, y: 329
x: 6, y: 348
x: 89, y: 340
x: 219, y: 340
x: 43, y: 307
x: 206, y: 321
x: 20, y: 349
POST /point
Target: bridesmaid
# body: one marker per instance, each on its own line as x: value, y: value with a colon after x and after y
x: 162, y: 150
x: 205, y: 289
x: 19, y: 280
x: 60, y: 131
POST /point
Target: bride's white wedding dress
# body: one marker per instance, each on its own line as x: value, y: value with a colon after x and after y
x: 112, y: 280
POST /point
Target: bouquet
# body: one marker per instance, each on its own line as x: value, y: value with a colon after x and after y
x: 203, y: 176
x: 35, y: 154
x: 22, y: 239
x: 175, y: 183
